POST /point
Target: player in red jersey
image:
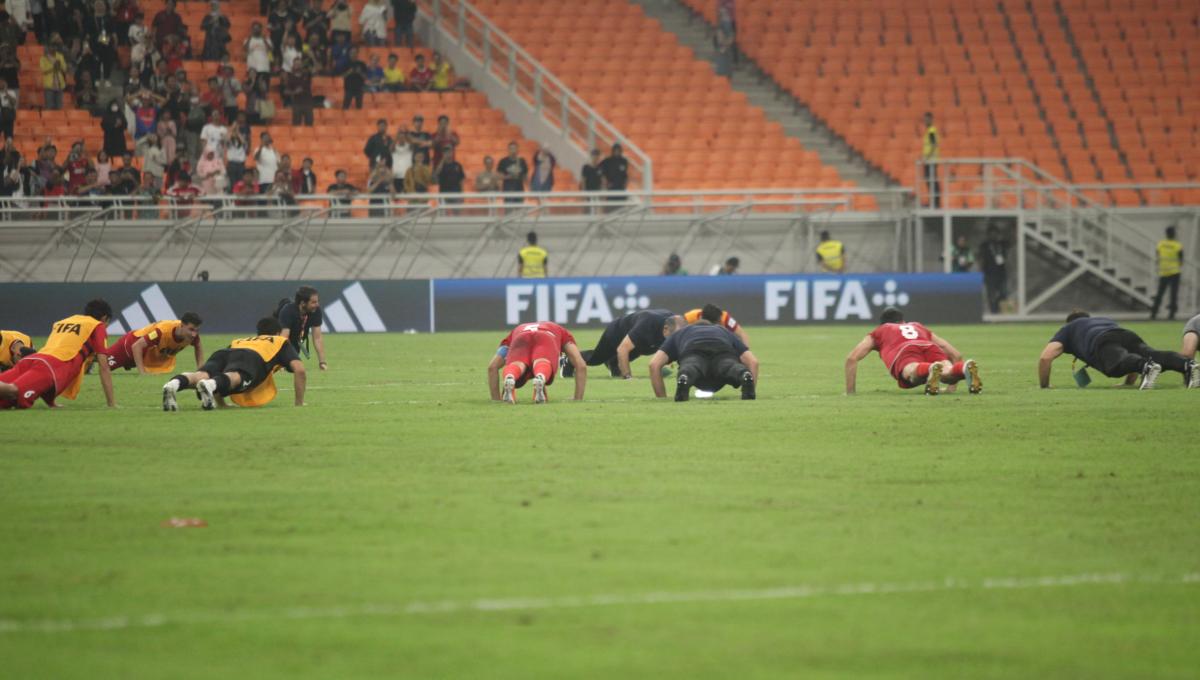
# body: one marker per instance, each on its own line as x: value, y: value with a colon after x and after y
x: 914, y: 356
x: 58, y: 368
x: 530, y: 353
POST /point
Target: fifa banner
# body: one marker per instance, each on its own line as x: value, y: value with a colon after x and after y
x: 225, y: 306
x: 493, y: 304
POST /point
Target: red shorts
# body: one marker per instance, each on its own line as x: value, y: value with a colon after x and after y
x: 120, y: 355
x: 920, y: 355
x: 528, y: 348
x: 38, y: 376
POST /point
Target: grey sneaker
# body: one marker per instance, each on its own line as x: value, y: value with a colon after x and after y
x: 510, y: 390
x: 539, y: 389
x: 1150, y: 373
x: 169, y: 390
x: 205, y: 390
x: 1192, y: 374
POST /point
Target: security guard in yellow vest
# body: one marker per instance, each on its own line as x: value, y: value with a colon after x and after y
x: 831, y: 254
x: 931, y: 142
x: 532, y: 260
x: 1170, y: 268
x: 13, y: 346
x: 244, y: 371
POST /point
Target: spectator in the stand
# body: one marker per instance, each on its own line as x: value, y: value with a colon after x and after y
x: 354, y: 81
x: 259, y: 102
x: 10, y: 177
x: 374, y: 74
x: 373, y: 19
x: 19, y: 17
x: 393, y: 75
x: 9, y: 102
x: 299, y: 89
x: 443, y: 74
x: 400, y: 158
x: 168, y: 137
x: 90, y: 186
x: 724, y: 41
x: 488, y: 180
x: 277, y: 25
x: 285, y: 168
x: 292, y: 54
x: 443, y: 138
x: 341, y: 20
x: 183, y: 192
x: 100, y: 35
x: 167, y: 23
x: 450, y: 175
x: 214, y: 135
x: 181, y: 164
x: 139, y: 44
x: 831, y: 254
x: 212, y: 99
x: 77, y: 167
x: 405, y: 13
x: 10, y: 66
x: 235, y: 156
x: 266, y: 160
x: 379, y: 183
x: 145, y: 113
x: 316, y: 24
x: 420, y: 78
x: 378, y: 144
x: 230, y: 88
x: 281, y: 189
x: 246, y: 188
x: 931, y: 143
x: 86, y: 95
x: 728, y: 269
x: 114, y: 126
x: 211, y: 173
x: 154, y: 160
x: 514, y: 170
x: 216, y: 28
x: 103, y: 168
x: 304, y: 180
x: 419, y: 176
x: 674, y: 266
x: 53, y: 65
x: 590, y: 178
x: 418, y: 138
x: 241, y: 125
x: 258, y: 51
x: 339, y: 55
x: 615, y: 170
x: 126, y: 179
x: 343, y: 193
x: 47, y: 162
x: 317, y: 54
x: 993, y: 255
x: 86, y: 62
x: 962, y: 259
x: 544, y: 163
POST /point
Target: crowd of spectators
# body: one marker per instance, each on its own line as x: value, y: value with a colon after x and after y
x: 193, y: 139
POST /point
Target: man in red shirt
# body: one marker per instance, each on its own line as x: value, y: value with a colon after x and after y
x: 914, y: 356
x: 421, y: 77
x: 531, y: 352
x: 58, y: 368
x: 77, y: 169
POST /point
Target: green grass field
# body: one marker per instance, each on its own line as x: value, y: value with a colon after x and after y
x: 402, y: 525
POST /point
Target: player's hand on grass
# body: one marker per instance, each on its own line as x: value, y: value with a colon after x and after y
x: 324, y: 365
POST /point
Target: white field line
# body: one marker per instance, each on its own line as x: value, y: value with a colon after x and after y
x: 10, y: 626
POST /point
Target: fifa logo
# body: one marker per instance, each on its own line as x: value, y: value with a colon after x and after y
x: 570, y: 303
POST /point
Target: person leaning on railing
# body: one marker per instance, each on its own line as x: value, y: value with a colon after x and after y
x: 343, y: 193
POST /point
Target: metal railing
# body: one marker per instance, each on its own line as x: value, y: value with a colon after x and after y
x: 547, y: 96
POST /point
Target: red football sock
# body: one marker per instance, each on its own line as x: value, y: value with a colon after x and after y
x: 922, y: 370
x: 514, y: 370
x: 956, y: 371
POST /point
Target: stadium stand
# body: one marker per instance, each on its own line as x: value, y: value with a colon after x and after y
x: 337, y: 138
x: 700, y: 132
x: 1089, y: 90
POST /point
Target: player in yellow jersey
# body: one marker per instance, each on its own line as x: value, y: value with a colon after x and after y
x: 1169, y: 254
x: 152, y: 349
x: 244, y: 371
x: 57, y: 370
x: 14, y: 345
x: 718, y: 317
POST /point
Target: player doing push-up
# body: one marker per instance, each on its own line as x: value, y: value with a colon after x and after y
x: 530, y: 353
x: 914, y: 356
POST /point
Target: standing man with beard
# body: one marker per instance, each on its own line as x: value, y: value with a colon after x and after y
x: 299, y: 317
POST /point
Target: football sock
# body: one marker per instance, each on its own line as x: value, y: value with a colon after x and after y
x: 956, y: 371
x: 181, y: 382
x: 922, y: 370
x: 514, y: 371
x: 223, y: 385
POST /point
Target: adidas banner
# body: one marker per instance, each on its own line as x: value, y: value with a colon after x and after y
x: 497, y: 304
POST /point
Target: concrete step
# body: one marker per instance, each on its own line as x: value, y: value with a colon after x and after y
x: 760, y: 91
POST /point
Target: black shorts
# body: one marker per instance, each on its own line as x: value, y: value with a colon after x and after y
x: 245, y: 362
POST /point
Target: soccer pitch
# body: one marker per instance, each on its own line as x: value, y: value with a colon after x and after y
x: 402, y: 525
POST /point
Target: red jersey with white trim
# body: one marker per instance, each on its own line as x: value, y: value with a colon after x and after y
x: 561, y: 335
x: 893, y: 339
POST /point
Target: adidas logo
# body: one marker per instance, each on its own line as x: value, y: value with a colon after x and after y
x: 134, y: 316
x: 352, y: 313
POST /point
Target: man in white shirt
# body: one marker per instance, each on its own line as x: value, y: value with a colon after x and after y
x: 266, y: 160
x: 214, y: 135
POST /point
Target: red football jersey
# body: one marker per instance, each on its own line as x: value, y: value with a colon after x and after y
x: 891, y: 339
x: 561, y: 335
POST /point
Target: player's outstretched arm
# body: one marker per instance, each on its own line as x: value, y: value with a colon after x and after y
x: 951, y: 353
x: 623, y: 351
x: 1051, y: 352
x: 860, y: 352
x: 656, y: 379
x: 198, y: 351
x: 106, y: 382
x: 751, y: 363
x: 493, y: 376
x: 139, y: 350
x: 299, y: 380
x: 577, y: 360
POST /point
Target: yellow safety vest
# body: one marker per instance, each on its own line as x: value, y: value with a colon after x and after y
x: 533, y: 262
x: 66, y: 341
x: 831, y: 255
x: 1170, y: 260
x: 266, y: 346
x: 7, y: 338
x: 930, y: 143
x: 160, y: 358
